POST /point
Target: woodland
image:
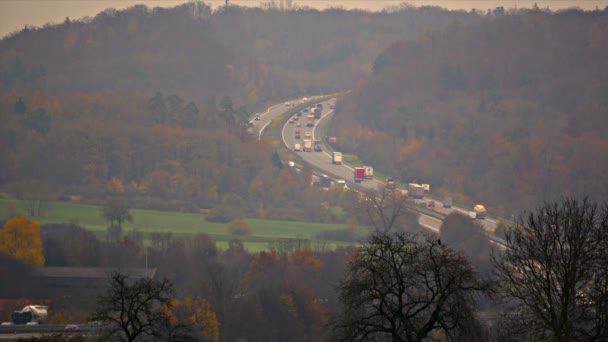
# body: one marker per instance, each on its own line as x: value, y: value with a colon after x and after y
x: 509, y: 112
x: 152, y: 104
x: 150, y: 107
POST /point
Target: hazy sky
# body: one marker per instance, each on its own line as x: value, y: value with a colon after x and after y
x: 15, y: 14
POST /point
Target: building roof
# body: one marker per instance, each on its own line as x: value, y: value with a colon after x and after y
x: 91, y: 272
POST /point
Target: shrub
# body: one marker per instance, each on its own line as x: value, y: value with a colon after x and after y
x: 239, y: 227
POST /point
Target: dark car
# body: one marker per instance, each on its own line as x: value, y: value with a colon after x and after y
x: 71, y: 328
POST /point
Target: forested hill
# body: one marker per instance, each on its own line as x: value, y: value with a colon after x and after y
x: 152, y: 104
x: 252, y: 54
x: 508, y: 112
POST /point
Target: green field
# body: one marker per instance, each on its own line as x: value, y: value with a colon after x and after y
x: 182, y: 225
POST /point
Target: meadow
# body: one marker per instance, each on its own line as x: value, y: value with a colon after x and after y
x: 181, y: 225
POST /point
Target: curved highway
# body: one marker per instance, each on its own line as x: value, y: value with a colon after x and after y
x: 323, y: 161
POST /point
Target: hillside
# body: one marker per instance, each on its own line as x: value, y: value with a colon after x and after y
x: 252, y: 54
x: 152, y: 104
x: 508, y: 112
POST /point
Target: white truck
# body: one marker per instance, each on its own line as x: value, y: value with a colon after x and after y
x: 480, y: 211
x: 415, y: 190
x: 336, y: 158
x: 297, y: 147
x: 427, y: 188
x: 307, y: 145
x: 369, y: 172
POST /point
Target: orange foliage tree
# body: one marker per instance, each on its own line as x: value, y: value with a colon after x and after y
x: 20, y: 238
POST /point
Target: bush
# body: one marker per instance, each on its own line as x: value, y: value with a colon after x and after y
x: 224, y: 213
x: 239, y: 227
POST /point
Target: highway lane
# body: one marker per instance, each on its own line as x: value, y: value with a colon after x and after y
x: 272, y: 113
x: 321, y: 160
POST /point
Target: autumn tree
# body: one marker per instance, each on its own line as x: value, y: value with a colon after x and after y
x: 406, y: 287
x: 553, y: 273
x: 196, y: 314
x: 20, y: 239
x: 239, y: 227
x: 133, y: 310
x: 115, y: 213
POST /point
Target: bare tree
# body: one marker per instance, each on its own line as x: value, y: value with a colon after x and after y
x: 554, y: 273
x: 131, y: 310
x: 407, y: 287
x: 386, y: 210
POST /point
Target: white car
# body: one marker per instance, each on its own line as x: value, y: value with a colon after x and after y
x: 287, y: 104
x: 257, y: 118
x: 291, y: 121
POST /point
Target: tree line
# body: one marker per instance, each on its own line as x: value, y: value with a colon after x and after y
x: 548, y: 283
x: 495, y: 112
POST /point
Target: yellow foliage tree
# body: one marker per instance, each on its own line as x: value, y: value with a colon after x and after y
x: 197, y: 312
x: 115, y: 186
x: 20, y: 238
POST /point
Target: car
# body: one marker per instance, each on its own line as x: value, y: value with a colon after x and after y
x: 431, y: 204
x: 290, y: 120
x: 287, y: 104
x: 298, y: 124
x: 31, y: 323
x: 257, y: 118
x: 7, y: 323
x: 71, y: 328
x: 296, y: 118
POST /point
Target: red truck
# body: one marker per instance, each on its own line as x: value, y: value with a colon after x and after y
x: 359, y: 174
x: 297, y: 134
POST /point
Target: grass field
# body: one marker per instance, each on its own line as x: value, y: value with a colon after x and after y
x: 182, y: 225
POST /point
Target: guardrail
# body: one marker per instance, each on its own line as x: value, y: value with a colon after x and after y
x: 46, y: 328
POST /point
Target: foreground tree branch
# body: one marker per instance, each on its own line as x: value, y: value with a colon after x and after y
x: 554, y: 273
x: 406, y: 287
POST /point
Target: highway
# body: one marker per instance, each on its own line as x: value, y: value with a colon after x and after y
x: 323, y: 162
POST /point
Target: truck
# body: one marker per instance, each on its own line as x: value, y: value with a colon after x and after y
x: 480, y: 211
x: 297, y: 135
x: 369, y: 172
x: 359, y: 174
x: 427, y: 188
x: 307, y: 145
x: 297, y: 147
x: 310, y: 120
x: 340, y: 184
x: 415, y: 190
x: 336, y: 158
x: 318, y: 146
x: 447, y: 202
x: 316, y: 112
x: 325, y: 181
x: 31, y: 314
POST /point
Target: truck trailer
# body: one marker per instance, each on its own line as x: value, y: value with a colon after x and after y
x: 359, y: 174
x: 369, y: 172
x: 307, y: 145
x: 415, y: 190
x: 336, y: 158
x: 310, y: 120
x: 480, y: 211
